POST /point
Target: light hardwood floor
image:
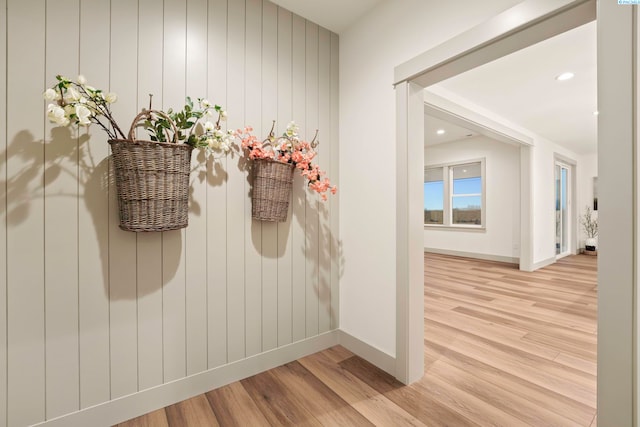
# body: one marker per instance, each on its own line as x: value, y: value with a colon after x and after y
x: 502, y: 348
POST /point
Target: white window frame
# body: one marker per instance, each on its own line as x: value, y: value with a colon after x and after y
x: 447, y: 178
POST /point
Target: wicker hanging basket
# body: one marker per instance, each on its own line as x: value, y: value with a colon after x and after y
x: 152, y: 180
x: 271, y: 190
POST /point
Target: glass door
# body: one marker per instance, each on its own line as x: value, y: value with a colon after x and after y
x: 562, y: 211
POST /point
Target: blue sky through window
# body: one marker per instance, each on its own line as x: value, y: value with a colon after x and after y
x: 467, y: 185
x: 433, y: 195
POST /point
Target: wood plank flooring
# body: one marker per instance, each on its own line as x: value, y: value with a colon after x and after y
x: 502, y: 348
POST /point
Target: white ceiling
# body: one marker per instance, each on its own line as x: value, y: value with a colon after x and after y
x: 452, y: 132
x: 335, y: 15
x: 520, y: 87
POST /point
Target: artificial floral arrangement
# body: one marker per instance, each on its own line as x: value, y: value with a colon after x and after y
x: 210, y: 136
x: 80, y: 104
x: 75, y: 102
x: 288, y: 149
x: 152, y: 177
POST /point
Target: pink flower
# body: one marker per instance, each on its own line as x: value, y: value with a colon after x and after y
x: 288, y: 149
x: 301, y: 165
x: 297, y: 157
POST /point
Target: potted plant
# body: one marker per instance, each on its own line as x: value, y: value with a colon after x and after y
x: 590, y: 226
x: 152, y: 177
x: 273, y: 163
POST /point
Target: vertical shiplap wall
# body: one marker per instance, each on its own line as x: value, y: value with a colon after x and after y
x: 3, y: 206
x: 90, y: 313
x: 26, y: 396
x: 93, y: 209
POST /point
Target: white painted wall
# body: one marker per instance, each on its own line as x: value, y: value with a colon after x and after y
x: 543, y: 179
x: 501, y: 236
x: 543, y: 153
x: 91, y: 313
x: 587, y: 170
x: 392, y: 33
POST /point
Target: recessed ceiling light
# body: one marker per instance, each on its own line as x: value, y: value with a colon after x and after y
x: 440, y: 131
x: 565, y: 76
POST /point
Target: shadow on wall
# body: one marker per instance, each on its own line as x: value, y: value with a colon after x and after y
x: 95, y: 181
x: 209, y: 170
x: 43, y: 164
x: 319, y: 245
x: 280, y: 229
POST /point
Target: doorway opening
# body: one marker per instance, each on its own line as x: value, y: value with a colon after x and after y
x: 518, y: 27
x: 564, y: 213
x: 521, y: 26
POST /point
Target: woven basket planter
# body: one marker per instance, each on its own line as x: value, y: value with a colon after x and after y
x: 271, y: 190
x: 152, y: 182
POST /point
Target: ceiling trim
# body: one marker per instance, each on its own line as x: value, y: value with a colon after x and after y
x: 444, y: 109
x: 532, y: 21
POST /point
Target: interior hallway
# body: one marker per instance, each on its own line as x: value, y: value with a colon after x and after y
x: 502, y: 347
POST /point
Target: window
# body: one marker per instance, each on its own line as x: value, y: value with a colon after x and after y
x: 433, y: 196
x: 453, y: 194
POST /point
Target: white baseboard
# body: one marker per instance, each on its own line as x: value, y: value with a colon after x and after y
x: 543, y: 263
x: 486, y: 257
x: 127, y: 407
x: 369, y: 353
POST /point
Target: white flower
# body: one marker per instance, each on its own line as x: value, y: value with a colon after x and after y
x: 292, y: 129
x: 90, y: 104
x: 218, y: 133
x: 212, y: 143
x: 56, y: 114
x: 69, y: 110
x: 72, y: 95
x: 205, y: 103
x: 52, y: 107
x: 83, y: 114
x: 223, y: 115
x: 209, y: 126
x: 111, y: 97
x: 51, y: 95
x: 82, y: 80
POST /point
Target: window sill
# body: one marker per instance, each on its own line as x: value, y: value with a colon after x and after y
x: 468, y: 228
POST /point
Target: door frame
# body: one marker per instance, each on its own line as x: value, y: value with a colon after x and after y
x: 442, y: 108
x: 523, y: 25
x: 570, y: 165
